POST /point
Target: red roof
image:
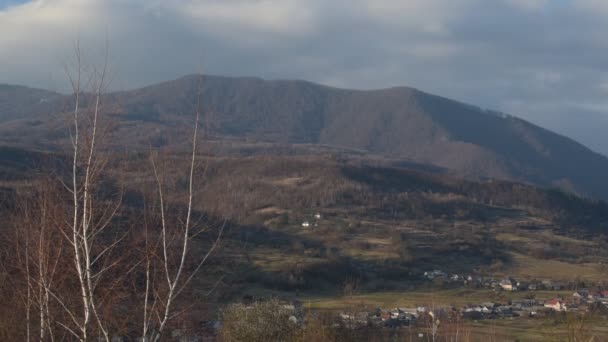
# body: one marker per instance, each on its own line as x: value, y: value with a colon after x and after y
x: 604, y: 293
x: 554, y: 301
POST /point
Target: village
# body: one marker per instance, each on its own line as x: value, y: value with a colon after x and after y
x: 544, y: 297
x: 579, y: 300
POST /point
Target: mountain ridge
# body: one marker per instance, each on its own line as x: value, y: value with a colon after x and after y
x: 399, y: 122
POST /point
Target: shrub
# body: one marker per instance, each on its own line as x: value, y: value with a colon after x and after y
x: 261, y: 321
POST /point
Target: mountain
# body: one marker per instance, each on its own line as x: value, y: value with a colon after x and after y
x: 400, y: 122
x: 17, y: 102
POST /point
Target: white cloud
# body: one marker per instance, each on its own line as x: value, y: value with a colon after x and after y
x: 264, y: 16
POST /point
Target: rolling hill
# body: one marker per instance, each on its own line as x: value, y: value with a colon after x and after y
x: 17, y: 102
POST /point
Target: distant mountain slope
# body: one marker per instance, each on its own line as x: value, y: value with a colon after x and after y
x: 398, y: 122
x: 17, y: 102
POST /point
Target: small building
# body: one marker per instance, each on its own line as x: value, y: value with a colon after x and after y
x: 394, y: 313
x: 522, y: 285
x: 346, y: 317
x: 487, y: 307
x: 506, y: 285
x: 435, y: 274
x: 581, y: 295
x: 318, y: 216
x: 472, y: 314
x: 556, y: 304
x: 408, y: 313
x: 305, y: 224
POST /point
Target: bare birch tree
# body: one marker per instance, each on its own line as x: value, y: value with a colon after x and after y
x: 72, y: 251
x: 90, y: 217
x: 36, y: 258
x: 159, y: 300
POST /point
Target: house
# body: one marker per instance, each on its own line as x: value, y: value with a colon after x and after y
x: 525, y: 302
x: 504, y: 311
x: 434, y: 274
x: 305, y: 224
x: 532, y: 287
x: 408, y: 313
x: 555, y: 304
x: 506, y: 285
x: 394, y: 313
x: 318, y: 216
x: 473, y: 308
x: 346, y: 317
x: 522, y: 285
x: 517, y: 306
x: 487, y: 307
x: 581, y: 295
x: 473, y: 315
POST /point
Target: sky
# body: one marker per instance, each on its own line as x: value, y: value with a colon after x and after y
x: 543, y: 60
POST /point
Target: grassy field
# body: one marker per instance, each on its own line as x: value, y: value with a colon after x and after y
x: 537, y: 330
x: 529, y: 267
x: 456, y: 297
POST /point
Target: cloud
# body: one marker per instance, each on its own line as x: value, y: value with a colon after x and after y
x: 528, y: 5
x: 517, y: 56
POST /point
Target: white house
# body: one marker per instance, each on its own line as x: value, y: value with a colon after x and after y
x: 581, y: 295
x: 305, y: 224
x: 556, y: 304
x: 506, y: 285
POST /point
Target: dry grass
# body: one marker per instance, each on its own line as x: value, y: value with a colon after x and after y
x: 405, y: 299
x: 289, y: 181
x: 510, y: 237
x: 529, y: 267
x: 534, y: 330
x: 454, y: 297
x: 272, y: 260
x: 270, y: 210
